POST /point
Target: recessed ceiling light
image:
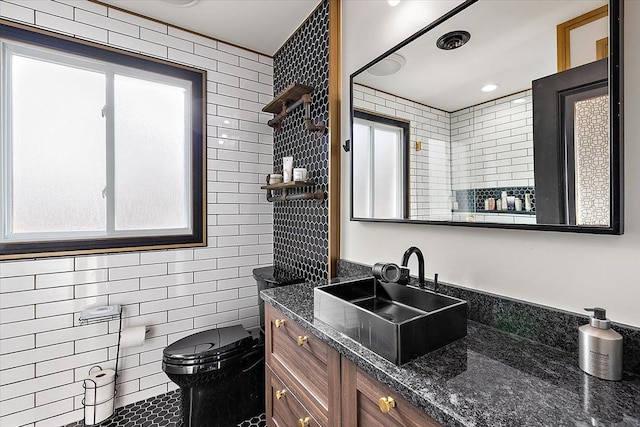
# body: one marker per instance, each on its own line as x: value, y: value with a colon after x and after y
x: 393, y: 2
x: 490, y: 87
x: 181, y: 3
x: 387, y: 66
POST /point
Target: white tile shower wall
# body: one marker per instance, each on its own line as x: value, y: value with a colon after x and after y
x: 45, y: 353
x: 429, y: 176
x: 492, y: 144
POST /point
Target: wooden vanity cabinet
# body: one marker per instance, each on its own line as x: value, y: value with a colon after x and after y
x: 319, y: 388
x: 283, y: 408
x: 368, y: 403
x: 308, y: 367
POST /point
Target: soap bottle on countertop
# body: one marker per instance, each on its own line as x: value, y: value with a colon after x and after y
x: 600, y: 347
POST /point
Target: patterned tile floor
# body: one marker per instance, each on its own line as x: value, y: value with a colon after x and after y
x: 163, y: 410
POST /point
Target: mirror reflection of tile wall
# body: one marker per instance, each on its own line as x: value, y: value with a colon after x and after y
x: 429, y: 173
x: 487, y: 147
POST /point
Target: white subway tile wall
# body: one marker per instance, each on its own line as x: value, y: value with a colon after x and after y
x: 492, y: 144
x: 45, y: 353
x: 485, y: 146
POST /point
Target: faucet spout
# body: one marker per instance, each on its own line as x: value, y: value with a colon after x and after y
x: 405, y: 261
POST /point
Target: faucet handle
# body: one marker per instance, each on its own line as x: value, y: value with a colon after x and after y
x: 404, y: 276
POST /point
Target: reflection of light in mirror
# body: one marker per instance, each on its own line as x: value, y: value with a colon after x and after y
x: 224, y: 135
x: 387, y: 66
x: 226, y: 122
x: 393, y: 2
x: 519, y: 101
x: 490, y: 87
x: 220, y: 141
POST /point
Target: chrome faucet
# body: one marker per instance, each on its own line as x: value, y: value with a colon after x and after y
x: 405, y: 261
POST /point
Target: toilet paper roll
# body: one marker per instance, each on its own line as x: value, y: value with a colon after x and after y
x: 97, y: 413
x: 99, y: 386
x: 132, y: 337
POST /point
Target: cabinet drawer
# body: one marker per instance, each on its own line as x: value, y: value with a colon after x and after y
x: 289, y: 340
x: 400, y: 414
x: 309, y: 367
x: 284, y: 409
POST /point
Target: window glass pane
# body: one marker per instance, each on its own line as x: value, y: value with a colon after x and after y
x: 151, y: 155
x: 361, y: 170
x: 386, y: 174
x: 592, y: 158
x: 57, y: 171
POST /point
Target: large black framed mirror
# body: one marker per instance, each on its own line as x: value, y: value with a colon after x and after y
x: 514, y: 113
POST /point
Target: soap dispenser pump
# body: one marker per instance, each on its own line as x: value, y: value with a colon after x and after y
x: 600, y: 347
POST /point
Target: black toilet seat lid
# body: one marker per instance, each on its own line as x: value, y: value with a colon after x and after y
x: 212, y: 344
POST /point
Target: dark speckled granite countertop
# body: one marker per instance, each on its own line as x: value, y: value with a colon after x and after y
x: 489, y: 378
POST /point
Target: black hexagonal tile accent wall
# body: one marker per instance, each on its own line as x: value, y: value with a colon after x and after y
x: 301, y: 227
x: 163, y: 410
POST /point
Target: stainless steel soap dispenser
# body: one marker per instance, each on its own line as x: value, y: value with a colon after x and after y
x: 600, y: 347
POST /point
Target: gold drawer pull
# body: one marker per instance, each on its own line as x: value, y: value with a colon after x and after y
x: 386, y: 403
x: 279, y: 322
x: 305, y: 422
x: 280, y: 394
x: 302, y: 339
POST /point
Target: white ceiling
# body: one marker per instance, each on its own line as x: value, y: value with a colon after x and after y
x: 512, y: 43
x: 260, y: 25
x: 524, y: 49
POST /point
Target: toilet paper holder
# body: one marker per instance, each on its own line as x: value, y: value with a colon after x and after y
x: 104, y: 314
x: 96, y: 315
x: 95, y: 419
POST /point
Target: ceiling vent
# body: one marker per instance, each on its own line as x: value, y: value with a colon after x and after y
x: 453, y: 40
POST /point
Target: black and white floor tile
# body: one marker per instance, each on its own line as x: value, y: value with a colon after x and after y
x: 159, y: 411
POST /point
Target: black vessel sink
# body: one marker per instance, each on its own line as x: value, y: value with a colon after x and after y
x: 397, y: 322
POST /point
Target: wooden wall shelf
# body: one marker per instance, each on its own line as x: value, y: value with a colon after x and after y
x: 288, y: 100
x: 289, y: 95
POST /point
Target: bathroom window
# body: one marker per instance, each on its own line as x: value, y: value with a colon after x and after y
x: 100, y: 150
x: 380, y: 177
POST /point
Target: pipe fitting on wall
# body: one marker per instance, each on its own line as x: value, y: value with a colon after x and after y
x: 313, y: 127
